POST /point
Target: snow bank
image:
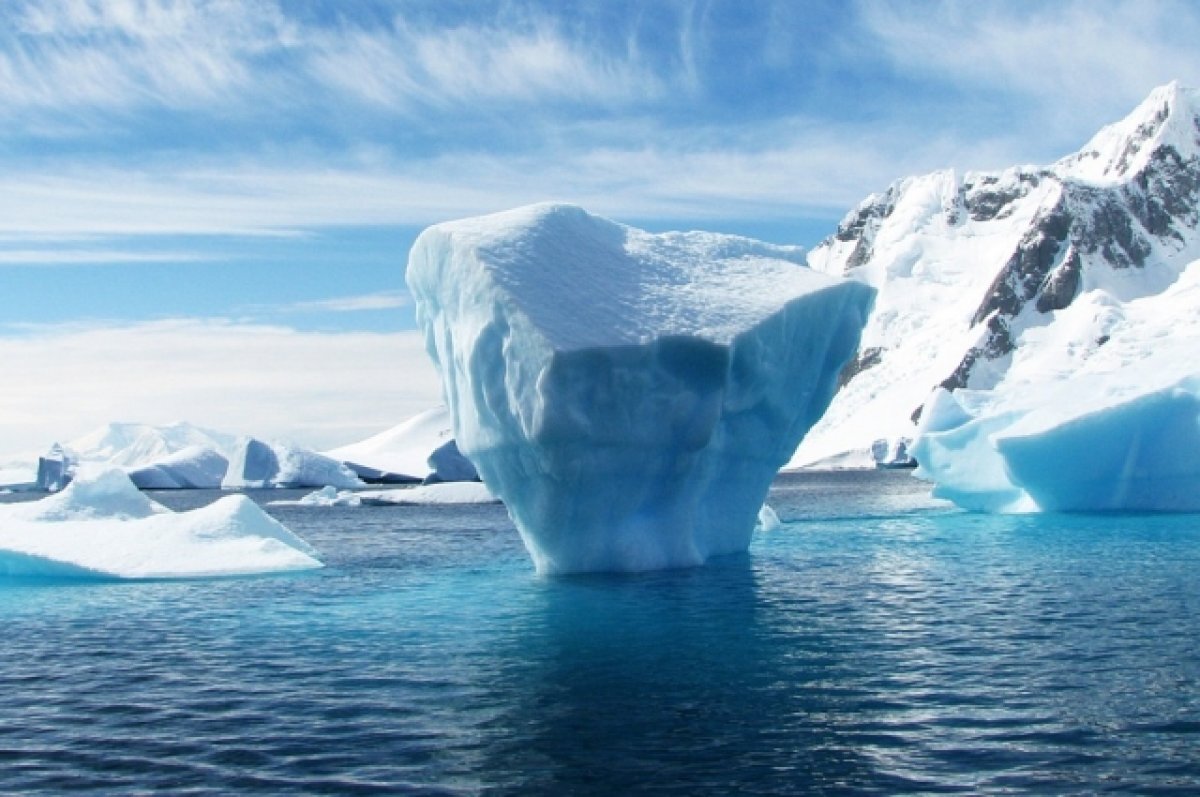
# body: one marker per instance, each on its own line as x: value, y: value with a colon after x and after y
x: 102, y: 526
x: 256, y: 464
x: 629, y: 396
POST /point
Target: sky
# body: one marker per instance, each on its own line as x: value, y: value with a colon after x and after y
x: 206, y: 207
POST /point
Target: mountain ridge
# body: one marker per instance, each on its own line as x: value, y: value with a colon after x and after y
x: 965, y: 266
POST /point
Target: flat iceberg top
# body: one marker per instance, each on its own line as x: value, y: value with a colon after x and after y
x: 584, y: 281
x: 101, y: 526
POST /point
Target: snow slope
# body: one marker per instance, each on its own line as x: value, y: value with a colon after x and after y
x: 102, y: 526
x: 420, y: 448
x: 1014, y: 277
x: 628, y: 396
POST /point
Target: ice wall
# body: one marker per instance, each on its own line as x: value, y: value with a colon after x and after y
x: 629, y: 396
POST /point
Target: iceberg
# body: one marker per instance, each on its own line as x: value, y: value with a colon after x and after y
x: 420, y: 449
x: 192, y: 468
x: 54, y: 469
x: 1119, y: 430
x: 434, y: 494
x: 256, y: 464
x: 629, y: 396
x: 101, y: 526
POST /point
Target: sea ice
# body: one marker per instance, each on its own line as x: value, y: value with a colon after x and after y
x: 629, y: 396
x: 259, y: 464
x: 102, y: 526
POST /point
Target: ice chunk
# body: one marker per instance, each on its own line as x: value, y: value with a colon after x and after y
x: 326, y: 496
x: 422, y: 448
x: 259, y: 464
x: 1138, y: 454
x: 54, y: 470
x: 447, y: 464
x: 101, y: 525
x: 629, y: 396
x: 195, y: 467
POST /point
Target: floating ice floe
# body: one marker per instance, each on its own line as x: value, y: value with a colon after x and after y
x: 432, y: 494
x: 629, y: 396
x: 102, y: 526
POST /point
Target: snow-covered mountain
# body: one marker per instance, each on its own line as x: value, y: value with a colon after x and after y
x: 1015, y: 276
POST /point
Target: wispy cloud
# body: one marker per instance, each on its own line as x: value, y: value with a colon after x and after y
x: 1051, y: 62
x: 76, y: 257
x: 382, y: 300
x: 320, y: 389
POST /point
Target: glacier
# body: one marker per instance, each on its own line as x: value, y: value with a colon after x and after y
x: 629, y: 396
x: 101, y: 526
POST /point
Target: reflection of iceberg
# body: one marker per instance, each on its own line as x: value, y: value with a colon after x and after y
x: 101, y: 525
x: 629, y: 396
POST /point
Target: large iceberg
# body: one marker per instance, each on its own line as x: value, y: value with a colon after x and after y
x: 1116, y: 426
x: 256, y: 463
x: 629, y: 396
x: 102, y: 526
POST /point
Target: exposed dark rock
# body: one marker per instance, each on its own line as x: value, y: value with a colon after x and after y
x: 997, y: 343
x: 866, y: 358
x: 1061, y: 285
x: 1029, y: 266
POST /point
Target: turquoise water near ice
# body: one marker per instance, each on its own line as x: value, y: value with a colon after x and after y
x: 877, y: 643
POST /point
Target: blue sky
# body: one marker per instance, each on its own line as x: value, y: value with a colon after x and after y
x: 189, y: 175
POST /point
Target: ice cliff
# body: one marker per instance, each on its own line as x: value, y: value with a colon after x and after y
x: 629, y: 396
x: 994, y: 285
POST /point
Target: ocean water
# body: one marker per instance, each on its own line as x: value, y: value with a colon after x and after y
x: 877, y: 643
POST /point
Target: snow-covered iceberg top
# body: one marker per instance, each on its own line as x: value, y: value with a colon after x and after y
x: 1106, y: 417
x: 628, y: 396
x: 102, y: 526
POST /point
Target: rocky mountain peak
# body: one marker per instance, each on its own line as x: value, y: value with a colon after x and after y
x: 1168, y: 118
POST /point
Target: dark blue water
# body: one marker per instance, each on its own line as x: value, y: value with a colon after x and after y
x: 876, y: 644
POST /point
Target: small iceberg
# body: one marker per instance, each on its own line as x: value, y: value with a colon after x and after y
x: 100, y: 525
x: 432, y: 494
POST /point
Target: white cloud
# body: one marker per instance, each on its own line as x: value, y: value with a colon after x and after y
x: 241, y: 58
x: 383, y: 300
x: 76, y: 257
x: 1094, y: 59
x: 319, y: 389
